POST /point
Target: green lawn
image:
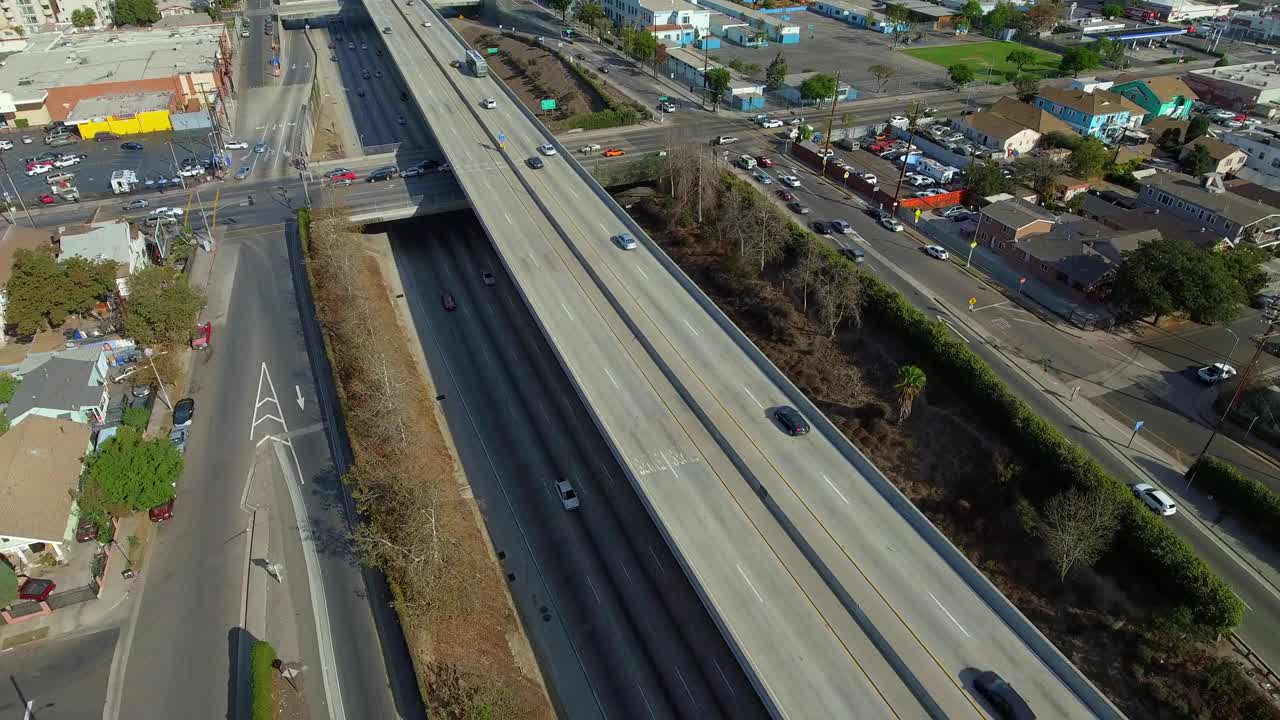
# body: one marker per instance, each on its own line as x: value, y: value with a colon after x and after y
x: 979, y: 55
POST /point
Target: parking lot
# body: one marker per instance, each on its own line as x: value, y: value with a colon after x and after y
x: 161, y: 155
x: 830, y: 45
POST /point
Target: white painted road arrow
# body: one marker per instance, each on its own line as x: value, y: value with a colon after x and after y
x: 301, y: 403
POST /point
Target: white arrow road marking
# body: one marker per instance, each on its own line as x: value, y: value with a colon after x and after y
x: 302, y: 404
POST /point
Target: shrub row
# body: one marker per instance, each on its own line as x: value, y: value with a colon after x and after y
x: 262, y: 658
x: 598, y: 120
x: 1148, y: 545
x: 1254, y: 501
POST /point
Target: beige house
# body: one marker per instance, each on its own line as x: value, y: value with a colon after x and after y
x: 1010, y: 127
x: 40, y: 463
x: 1227, y: 158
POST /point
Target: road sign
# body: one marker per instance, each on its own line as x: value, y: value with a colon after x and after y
x: 662, y: 98
x: 549, y: 104
x: 846, y: 174
x: 1138, y: 425
x: 502, y: 138
x: 491, y: 50
x: 973, y: 301
x: 973, y: 244
x: 917, y: 214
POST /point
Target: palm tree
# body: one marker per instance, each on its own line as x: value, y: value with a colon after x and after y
x: 911, y: 382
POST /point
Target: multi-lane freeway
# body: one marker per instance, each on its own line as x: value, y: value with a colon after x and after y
x: 828, y: 590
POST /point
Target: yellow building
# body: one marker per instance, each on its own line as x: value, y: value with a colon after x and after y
x: 130, y: 114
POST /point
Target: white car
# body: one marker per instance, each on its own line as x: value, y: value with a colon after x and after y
x: 547, y: 149
x: 568, y: 497
x: 762, y: 177
x: 891, y: 224
x: 937, y: 251
x: 919, y: 180
x: 1216, y: 373
x: 67, y: 161
x: 235, y: 145
x: 1155, y: 498
x: 771, y: 123
x: 244, y: 33
x: 167, y: 212
x: 899, y: 121
x: 790, y: 181
x: 588, y: 149
x: 193, y: 171
x: 489, y: 103
x: 6, y: 144
x: 426, y: 23
x: 40, y: 169
x: 825, y: 153
x: 869, y: 178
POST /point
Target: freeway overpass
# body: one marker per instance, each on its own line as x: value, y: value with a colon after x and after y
x: 831, y: 588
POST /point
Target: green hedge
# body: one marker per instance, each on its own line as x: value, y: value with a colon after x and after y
x: 1254, y: 501
x: 1150, y: 546
x: 261, y: 673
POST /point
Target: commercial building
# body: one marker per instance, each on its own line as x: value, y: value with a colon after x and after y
x: 1161, y: 96
x: 648, y: 13
x: 921, y: 12
x: 35, y: 15
x: 1100, y: 113
x: 1010, y: 127
x: 855, y: 15
x: 688, y: 66
x: 1179, y: 10
x: 1238, y: 87
x: 677, y: 35
x: 192, y: 64
x: 1207, y: 203
x: 776, y: 29
x: 791, y: 90
x: 1261, y: 150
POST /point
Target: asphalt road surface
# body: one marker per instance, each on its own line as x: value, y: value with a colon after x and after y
x: 635, y: 627
x: 63, y: 679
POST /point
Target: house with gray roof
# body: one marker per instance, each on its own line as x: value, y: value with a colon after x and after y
x: 1206, y: 203
x: 63, y: 388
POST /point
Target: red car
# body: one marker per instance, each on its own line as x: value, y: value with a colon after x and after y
x: 36, y: 589
x: 765, y: 161
x: 348, y: 175
x: 786, y: 195
x: 160, y: 513
x: 87, y: 530
x: 46, y: 199
x: 446, y: 300
x: 41, y: 164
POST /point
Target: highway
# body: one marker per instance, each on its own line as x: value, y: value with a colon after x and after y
x: 831, y: 597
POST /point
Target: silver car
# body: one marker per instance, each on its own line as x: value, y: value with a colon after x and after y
x: 626, y: 241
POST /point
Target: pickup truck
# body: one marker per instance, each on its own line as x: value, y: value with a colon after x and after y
x: 588, y: 149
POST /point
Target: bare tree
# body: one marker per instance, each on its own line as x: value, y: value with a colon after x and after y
x: 839, y: 295
x: 805, y: 272
x: 763, y: 237
x: 883, y: 74
x: 1077, y: 528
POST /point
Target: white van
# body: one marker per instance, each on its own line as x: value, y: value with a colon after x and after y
x: 746, y: 162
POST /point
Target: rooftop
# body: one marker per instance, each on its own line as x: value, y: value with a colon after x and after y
x: 1217, y: 149
x: 94, y: 109
x: 58, y: 60
x: 40, y: 465
x: 1167, y: 224
x: 15, y: 238
x: 846, y: 6
x: 1157, y: 127
x: 1165, y: 87
x: 1028, y: 115
x: 923, y: 8
x: 1098, y: 102
x: 671, y: 6
x: 1236, y: 208
x: 1263, y: 75
x: 100, y: 241
x: 59, y: 384
x: 1017, y: 213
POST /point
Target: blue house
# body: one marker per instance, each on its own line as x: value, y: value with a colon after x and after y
x: 1099, y: 113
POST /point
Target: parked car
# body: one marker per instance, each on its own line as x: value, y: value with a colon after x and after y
x: 791, y: 420
x: 937, y: 251
x: 184, y: 412
x: 162, y: 512
x: 891, y: 223
x: 1155, y: 498
x: 131, y: 146
x: 1216, y: 373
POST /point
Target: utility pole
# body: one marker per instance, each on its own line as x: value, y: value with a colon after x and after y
x: 826, y: 147
x: 913, y: 117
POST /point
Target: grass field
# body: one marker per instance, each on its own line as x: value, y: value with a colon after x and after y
x: 980, y: 55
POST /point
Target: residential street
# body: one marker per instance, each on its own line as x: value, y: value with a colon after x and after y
x: 61, y: 680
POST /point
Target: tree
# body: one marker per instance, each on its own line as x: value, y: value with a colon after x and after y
x: 1040, y: 173
x: 1170, y: 140
x: 1020, y: 58
x: 562, y: 7
x: 1111, y: 51
x: 898, y: 18
x: 8, y: 585
x: 1244, y: 262
x: 83, y: 17
x: 130, y: 474
x: 1077, y: 528
x: 1042, y: 17
x: 588, y: 12
x: 1027, y: 86
x: 839, y: 295
x: 883, y: 74
x: 986, y: 179
x: 1089, y: 159
x: 639, y: 43
x: 43, y: 292
x: 961, y: 74
x: 809, y: 266
x: 910, y: 385
x: 972, y: 11
x: 161, y: 307
x: 8, y: 386
x: 1077, y: 59
x: 776, y: 73
x: 136, y: 12
x: 1000, y: 18
x: 718, y: 80
x: 1165, y: 276
x: 1222, y: 62
x: 1197, y: 161
x: 1112, y: 10
x: 1199, y: 127
x: 136, y: 418
x: 818, y: 87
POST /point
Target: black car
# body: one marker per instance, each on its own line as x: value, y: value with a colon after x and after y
x: 429, y: 164
x: 791, y: 419
x: 1008, y: 704
x: 878, y: 213
x: 381, y: 174
x: 404, y: 97
x: 183, y: 413
x: 131, y: 146
x: 821, y: 227
x: 106, y: 137
x: 534, y: 162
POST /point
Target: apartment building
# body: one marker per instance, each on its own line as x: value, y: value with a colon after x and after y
x: 36, y: 15
x: 1207, y: 203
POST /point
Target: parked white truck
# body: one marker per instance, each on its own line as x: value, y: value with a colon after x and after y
x: 935, y: 170
x: 124, y: 181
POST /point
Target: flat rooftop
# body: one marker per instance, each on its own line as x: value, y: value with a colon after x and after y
x: 672, y: 6
x: 923, y: 8
x: 845, y: 6
x: 1262, y: 75
x: 100, y: 108
x: 65, y: 60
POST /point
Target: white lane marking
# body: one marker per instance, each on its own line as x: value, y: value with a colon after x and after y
x: 833, y: 487
x: 723, y: 677
x: 953, y: 617
x: 642, y: 272
x: 748, y: 581
x: 593, y: 590
x: 646, y: 702
x: 566, y: 312
x: 657, y: 561
x: 947, y: 322
x: 535, y: 260
x: 692, y: 699
x: 508, y: 217
x: 691, y: 328
x: 615, y: 382
x: 753, y: 397
x: 624, y: 572
x: 603, y: 229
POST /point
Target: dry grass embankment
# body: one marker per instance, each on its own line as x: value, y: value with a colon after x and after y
x: 420, y: 525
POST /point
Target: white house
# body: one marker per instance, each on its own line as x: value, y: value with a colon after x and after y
x: 111, y: 240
